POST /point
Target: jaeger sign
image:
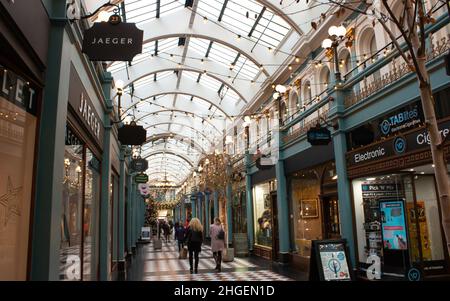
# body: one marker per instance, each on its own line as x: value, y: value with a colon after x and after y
x: 106, y: 41
x: 83, y: 107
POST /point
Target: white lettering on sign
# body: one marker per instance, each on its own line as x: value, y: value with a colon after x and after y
x: 424, y: 138
x: 360, y: 157
x: 112, y: 41
x: 89, y: 116
x: 373, y: 271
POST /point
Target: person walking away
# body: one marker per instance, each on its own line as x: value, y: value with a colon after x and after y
x: 217, y: 235
x: 166, y: 230
x: 179, y: 235
x: 194, y: 239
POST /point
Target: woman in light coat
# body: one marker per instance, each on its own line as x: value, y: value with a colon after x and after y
x: 217, y: 245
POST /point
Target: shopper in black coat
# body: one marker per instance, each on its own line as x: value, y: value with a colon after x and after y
x: 194, y: 239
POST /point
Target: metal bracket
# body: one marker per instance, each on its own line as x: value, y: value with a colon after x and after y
x: 71, y: 8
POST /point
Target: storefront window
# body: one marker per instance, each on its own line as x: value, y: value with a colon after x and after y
x: 305, y: 187
x: 80, y: 212
x: 70, y: 247
x: 239, y: 213
x: 263, y: 214
x: 91, y: 217
x: 17, y: 142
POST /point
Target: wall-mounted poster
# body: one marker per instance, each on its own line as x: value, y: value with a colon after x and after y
x: 393, y: 224
x: 421, y: 218
x: 329, y: 261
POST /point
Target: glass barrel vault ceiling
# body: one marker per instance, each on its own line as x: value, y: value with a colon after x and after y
x: 176, y: 117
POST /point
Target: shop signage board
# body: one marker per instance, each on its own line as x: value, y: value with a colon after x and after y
x: 83, y: 107
x: 400, y: 120
x: 330, y: 261
x: 139, y: 165
x: 418, y: 139
x: 130, y: 134
x: 319, y: 136
x: 18, y: 90
x: 145, y: 233
x: 106, y: 41
x: 141, y: 178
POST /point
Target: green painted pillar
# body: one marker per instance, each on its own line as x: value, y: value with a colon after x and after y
x: 207, y: 214
x: 283, y: 211
x: 216, y: 204
x: 249, y: 199
x: 129, y: 213
x: 200, y: 207
x: 194, y: 207
x: 340, y: 149
x: 183, y: 211
x: 121, y: 207
x: 133, y: 215
x: 106, y: 177
x: 229, y: 212
x: 46, y: 235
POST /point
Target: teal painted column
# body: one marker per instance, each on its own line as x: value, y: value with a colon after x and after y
x: 46, y: 235
x: 340, y: 149
x: 229, y: 213
x: 283, y: 211
x: 133, y: 215
x: 106, y: 176
x: 200, y: 207
x: 216, y: 204
x: 207, y: 214
x: 121, y: 219
x: 183, y: 211
x: 129, y: 213
x: 249, y: 199
x: 194, y: 207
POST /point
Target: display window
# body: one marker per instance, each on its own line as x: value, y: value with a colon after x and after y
x: 80, y: 211
x: 239, y: 212
x: 262, y: 207
x: 305, y: 190
x: 397, y: 219
x: 17, y: 145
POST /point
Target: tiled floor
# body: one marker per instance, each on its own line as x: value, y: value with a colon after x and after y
x: 163, y: 265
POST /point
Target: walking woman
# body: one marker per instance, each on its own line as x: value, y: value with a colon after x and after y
x: 217, y: 235
x: 194, y: 238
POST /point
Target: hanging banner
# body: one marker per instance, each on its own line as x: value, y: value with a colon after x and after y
x: 107, y: 41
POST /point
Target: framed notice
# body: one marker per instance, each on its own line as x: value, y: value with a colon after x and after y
x: 309, y: 208
x: 330, y: 261
x: 393, y: 224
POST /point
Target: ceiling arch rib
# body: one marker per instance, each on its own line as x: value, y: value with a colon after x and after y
x: 157, y: 162
x: 163, y: 28
x: 244, y: 88
x: 285, y: 12
x: 196, y: 131
x: 160, y: 174
x: 180, y: 119
x: 187, y: 87
x: 180, y: 138
x: 170, y: 145
x: 174, y: 153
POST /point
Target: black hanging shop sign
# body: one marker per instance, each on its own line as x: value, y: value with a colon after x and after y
x: 113, y: 41
x: 319, y: 135
x: 132, y: 134
x: 139, y: 165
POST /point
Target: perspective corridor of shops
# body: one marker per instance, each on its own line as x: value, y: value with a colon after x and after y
x: 224, y: 140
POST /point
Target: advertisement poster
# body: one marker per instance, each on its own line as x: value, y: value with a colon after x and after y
x: 423, y: 227
x: 393, y: 225
x: 334, y: 261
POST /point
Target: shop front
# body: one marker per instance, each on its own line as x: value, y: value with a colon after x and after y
x: 265, y: 219
x: 314, y: 210
x: 397, y: 215
x: 19, y: 99
x: 81, y: 184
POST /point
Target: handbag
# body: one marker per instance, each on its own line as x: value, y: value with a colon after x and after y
x: 183, y: 253
x: 221, y: 234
